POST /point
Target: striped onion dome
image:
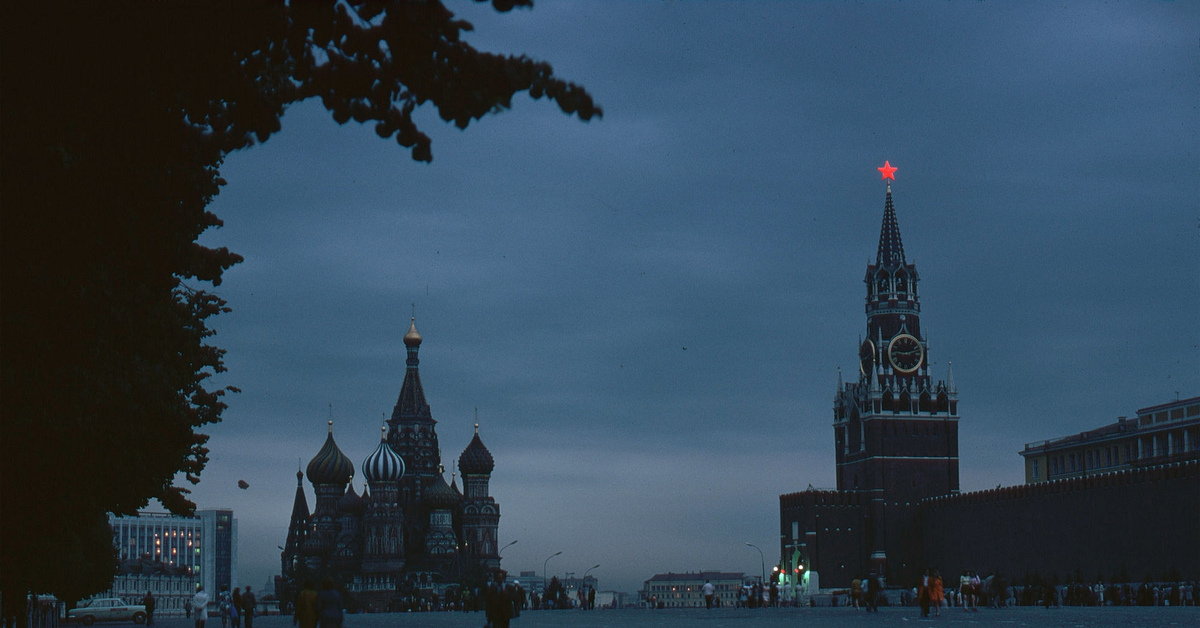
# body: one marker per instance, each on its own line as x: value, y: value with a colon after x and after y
x: 384, y: 465
x: 476, y: 459
x: 330, y: 465
x: 439, y: 496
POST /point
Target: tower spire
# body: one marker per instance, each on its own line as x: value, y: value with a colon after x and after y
x: 891, y: 247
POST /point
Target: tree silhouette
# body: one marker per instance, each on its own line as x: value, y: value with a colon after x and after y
x: 115, y: 120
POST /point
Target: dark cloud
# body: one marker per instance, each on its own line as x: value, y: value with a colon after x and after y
x: 727, y: 203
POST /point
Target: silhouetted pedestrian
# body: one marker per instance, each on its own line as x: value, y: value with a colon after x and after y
x: 329, y: 605
x: 248, y: 604
x: 149, y: 603
x: 305, y: 613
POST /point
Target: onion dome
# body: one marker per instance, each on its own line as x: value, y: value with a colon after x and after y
x: 476, y: 459
x: 330, y: 465
x: 413, y: 337
x: 351, y: 502
x: 384, y: 465
x: 439, y: 495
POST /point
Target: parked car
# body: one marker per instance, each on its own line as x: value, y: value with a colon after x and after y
x: 107, y: 609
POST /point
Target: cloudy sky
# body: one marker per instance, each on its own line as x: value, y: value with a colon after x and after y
x: 649, y: 310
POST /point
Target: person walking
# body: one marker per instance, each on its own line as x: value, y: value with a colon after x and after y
x: 709, y: 591
x: 498, y: 607
x: 199, y: 606
x: 236, y: 615
x: 149, y: 603
x: 305, y: 613
x: 223, y: 606
x: 923, y: 593
x: 872, y: 592
x: 329, y: 605
x: 248, y: 604
x: 936, y: 594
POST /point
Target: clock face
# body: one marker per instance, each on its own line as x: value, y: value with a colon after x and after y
x: 866, y: 357
x: 905, y: 353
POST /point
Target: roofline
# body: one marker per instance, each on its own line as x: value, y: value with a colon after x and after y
x: 1177, y: 402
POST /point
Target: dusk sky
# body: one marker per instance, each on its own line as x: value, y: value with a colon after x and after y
x: 649, y: 310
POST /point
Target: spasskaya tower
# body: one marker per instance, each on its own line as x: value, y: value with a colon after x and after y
x: 895, y: 428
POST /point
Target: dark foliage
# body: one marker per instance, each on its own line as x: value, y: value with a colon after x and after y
x: 116, y: 118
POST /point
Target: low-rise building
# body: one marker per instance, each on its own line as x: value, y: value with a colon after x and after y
x: 1160, y: 434
x: 684, y: 590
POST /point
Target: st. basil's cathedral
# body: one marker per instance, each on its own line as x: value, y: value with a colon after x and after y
x: 409, y: 530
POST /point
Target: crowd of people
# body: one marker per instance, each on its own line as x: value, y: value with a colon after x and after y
x: 234, y: 608
x: 934, y: 595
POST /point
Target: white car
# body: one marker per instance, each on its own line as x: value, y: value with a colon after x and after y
x: 107, y: 609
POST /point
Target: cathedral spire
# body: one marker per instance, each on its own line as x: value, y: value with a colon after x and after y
x: 411, y: 404
x: 891, y: 248
x: 297, y: 528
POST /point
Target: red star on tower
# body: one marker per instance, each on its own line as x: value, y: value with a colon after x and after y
x: 888, y: 171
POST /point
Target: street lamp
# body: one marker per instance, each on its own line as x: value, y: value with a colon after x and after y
x: 589, y: 569
x: 762, y: 562
x: 505, y: 547
x: 545, y: 580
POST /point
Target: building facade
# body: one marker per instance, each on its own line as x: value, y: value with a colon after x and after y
x: 170, y: 556
x: 895, y: 437
x: 409, y: 532
x: 1160, y: 434
x: 685, y: 590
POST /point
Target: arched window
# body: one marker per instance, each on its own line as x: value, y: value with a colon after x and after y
x: 926, y: 403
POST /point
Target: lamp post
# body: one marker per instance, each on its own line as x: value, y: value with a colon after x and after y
x: 762, y: 562
x: 545, y: 580
x: 589, y: 569
x: 505, y: 547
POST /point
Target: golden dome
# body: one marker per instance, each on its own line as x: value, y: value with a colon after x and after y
x: 413, y: 337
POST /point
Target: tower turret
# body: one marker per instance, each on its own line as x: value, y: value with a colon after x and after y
x: 297, y: 530
x: 383, y: 519
x: 481, y: 513
x: 329, y: 471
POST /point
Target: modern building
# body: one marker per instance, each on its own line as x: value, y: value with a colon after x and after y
x: 170, y: 556
x: 409, y: 533
x: 685, y: 590
x: 895, y: 437
x: 1165, y: 433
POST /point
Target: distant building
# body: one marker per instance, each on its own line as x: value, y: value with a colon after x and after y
x: 684, y: 590
x: 410, y: 534
x: 1160, y: 434
x: 532, y: 583
x: 573, y: 585
x: 170, y: 556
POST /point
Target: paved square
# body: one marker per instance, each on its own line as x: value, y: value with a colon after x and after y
x: 1034, y: 617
